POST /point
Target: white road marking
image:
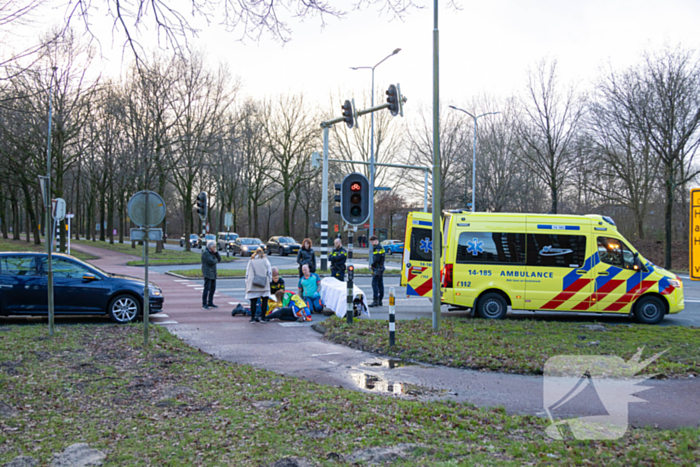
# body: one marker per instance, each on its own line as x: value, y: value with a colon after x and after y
x: 322, y: 354
x: 193, y: 285
x: 181, y: 280
x: 691, y: 301
x: 292, y: 325
x: 164, y: 322
x: 159, y: 315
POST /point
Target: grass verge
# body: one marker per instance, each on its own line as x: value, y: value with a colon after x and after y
x: 165, y: 257
x: 522, y: 345
x: 221, y: 273
x: 173, y: 405
x: 22, y: 245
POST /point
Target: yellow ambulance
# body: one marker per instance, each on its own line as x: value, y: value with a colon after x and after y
x: 537, y: 262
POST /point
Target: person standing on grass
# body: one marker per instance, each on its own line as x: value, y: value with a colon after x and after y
x: 377, y: 267
x: 306, y: 256
x: 210, y: 258
x: 258, y: 275
x: 338, y: 257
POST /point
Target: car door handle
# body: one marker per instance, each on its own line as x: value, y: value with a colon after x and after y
x: 581, y: 272
x: 603, y: 273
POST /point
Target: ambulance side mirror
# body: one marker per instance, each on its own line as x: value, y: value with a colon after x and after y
x: 638, y: 266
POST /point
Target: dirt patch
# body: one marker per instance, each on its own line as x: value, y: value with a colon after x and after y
x: 653, y: 250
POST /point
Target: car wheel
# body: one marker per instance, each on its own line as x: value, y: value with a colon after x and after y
x: 124, y: 309
x: 492, y: 306
x: 649, y: 310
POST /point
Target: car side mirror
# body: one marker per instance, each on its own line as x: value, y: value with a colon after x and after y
x: 89, y: 277
x: 637, y: 263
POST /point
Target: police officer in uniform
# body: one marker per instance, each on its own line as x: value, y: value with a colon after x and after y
x: 338, y: 257
x: 377, y: 267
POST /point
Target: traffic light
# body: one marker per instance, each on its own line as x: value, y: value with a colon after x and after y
x: 354, y: 199
x: 348, y: 114
x: 395, y: 100
x: 202, y: 205
x: 336, y: 199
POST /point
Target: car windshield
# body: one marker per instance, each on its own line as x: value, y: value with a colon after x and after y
x: 193, y: 236
x: 250, y: 241
x: 210, y: 237
x: 231, y: 237
x: 287, y: 240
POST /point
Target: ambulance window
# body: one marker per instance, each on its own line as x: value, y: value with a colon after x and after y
x: 615, y: 253
x: 491, y: 247
x: 552, y: 250
x: 421, y: 245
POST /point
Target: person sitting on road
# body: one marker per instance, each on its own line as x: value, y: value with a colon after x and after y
x: 310, y: 289
x: 306, y: 256
x: 277, y: 282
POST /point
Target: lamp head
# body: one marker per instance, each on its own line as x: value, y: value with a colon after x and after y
x: 397, y: 50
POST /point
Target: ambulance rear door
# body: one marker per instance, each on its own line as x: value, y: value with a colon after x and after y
x: 417, y: 265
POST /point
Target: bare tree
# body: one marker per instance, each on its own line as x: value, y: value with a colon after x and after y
x: 666, y: 110
x: 548, y: 127
x: 626, y: 167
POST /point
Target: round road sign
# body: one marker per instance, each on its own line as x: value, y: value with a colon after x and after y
x: 137, y: 209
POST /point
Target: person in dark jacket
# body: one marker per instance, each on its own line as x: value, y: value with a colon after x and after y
x: 377, y: 268
x: 338, y: 257
x: 210, y: 258
x: 306, y: 255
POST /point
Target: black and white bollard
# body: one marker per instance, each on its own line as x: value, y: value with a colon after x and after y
x: 392, y: 317
x: 351, y: 276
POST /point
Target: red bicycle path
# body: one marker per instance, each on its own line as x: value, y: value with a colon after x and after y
x: 295, y: 349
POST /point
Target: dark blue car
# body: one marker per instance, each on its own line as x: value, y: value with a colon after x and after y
x: 79, y: 288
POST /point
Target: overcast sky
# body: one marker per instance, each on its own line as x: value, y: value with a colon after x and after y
x: 485, y: 48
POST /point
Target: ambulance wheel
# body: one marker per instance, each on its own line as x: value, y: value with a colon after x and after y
x: 649, y: 310
x: 492, y: 306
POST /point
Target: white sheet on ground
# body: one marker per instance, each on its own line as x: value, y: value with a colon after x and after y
x: 334, y: 296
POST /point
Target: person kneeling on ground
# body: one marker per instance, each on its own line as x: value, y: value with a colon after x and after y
x: 310, y: 289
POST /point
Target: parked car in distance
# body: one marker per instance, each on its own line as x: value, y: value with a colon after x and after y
x: 203, y: 239
x: 283, y: 246
x: 224, y: 240
x: 392, y: 246
x: 246, y: 246
x: 79, y: 288
x: 194, y: 241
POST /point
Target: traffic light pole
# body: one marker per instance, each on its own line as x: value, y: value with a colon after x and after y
x: 324, y: 203
x: 351, y: 276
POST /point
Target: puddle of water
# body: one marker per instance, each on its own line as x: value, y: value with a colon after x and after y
x: 387, y: 363
x: 377, y: 384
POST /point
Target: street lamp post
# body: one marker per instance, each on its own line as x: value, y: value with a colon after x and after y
x: 473, y: 156
x: 371, y: 145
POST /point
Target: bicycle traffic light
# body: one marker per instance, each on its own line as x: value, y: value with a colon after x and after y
x: 348, y: 114
x: 354, y: 199
x: 395, y: 100
x: 202, y: 205
x: 336, y: 199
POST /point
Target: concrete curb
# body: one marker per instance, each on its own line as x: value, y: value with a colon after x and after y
x: 287, y: 276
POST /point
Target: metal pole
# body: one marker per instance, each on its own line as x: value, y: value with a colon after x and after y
x: 392, y: 317
x: 425, y: 192
x: 146, y: 303
x: 351, y: 276
x: 49, y: 224
x: 437, y: 210
x: 324, y: 203
x: 371, y: 175
x: 474, y: 171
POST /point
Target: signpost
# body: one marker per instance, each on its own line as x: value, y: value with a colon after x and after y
x: 228, y: 222
x: 146, y: 209
x: 69, y: 217
x: 695, y: 234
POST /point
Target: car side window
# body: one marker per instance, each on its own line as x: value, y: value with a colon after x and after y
x: 491, y: 247
x: 18, y: 266
x: 554, y: 250
x: 66, y: 269
x: 615, y: 253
